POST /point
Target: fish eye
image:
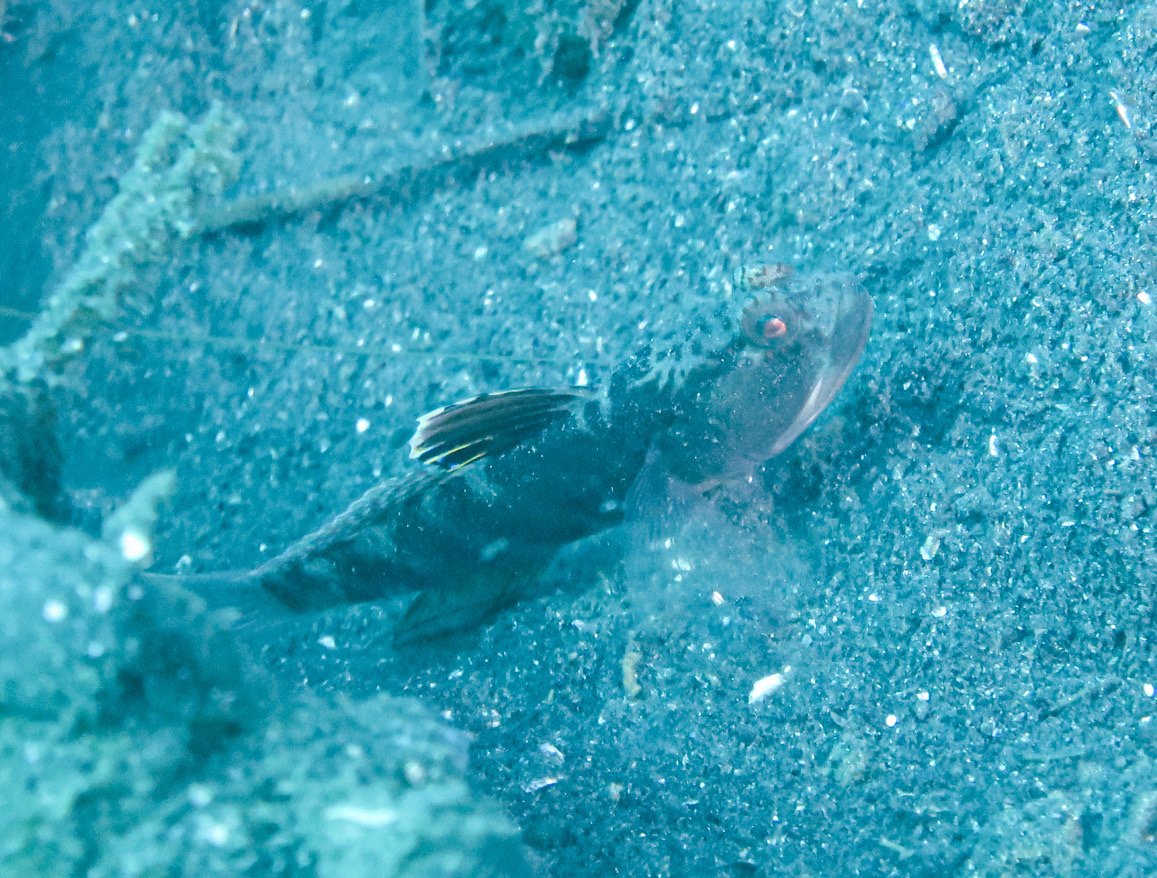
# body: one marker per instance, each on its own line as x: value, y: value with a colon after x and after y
x: 764, y: 326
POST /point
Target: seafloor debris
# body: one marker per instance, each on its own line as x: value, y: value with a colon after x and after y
x: 140, y: 739
x: 30, y: 458
x: 130, y: 527
x: 178, y: 166
x: 766, y: 686
x: 491, y: 145
x: 630, y: 668
x: 553, y: 239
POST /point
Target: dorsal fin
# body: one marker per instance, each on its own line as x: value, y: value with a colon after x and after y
x: 482, y: 426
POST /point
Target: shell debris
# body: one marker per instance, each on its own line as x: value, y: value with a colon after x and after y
x: 930, y: 548
x: 630, y: 666
x: 766, y: 686
x: 553, y: 239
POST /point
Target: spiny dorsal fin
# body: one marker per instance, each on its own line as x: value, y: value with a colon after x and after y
x: 489, y: 424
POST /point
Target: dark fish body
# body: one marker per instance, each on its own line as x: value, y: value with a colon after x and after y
x: 522, y: 474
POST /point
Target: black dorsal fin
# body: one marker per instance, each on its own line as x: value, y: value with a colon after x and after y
x: 489, y: 424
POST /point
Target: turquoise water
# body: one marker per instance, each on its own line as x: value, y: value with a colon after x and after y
x: 363, y: 212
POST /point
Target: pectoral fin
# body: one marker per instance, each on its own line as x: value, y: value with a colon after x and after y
x: 438, y: 613
x: 483, y: 426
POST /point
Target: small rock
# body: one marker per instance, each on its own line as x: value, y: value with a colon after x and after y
x: 553, y: 239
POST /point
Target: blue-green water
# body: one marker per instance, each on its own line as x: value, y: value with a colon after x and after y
x: 952, y: 571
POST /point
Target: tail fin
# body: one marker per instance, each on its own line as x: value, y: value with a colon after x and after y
x: 239, y: 591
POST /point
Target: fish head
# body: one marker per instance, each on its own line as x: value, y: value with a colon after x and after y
x: 798, y: 341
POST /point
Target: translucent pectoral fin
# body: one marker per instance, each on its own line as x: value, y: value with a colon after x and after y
x: 442, y: 612
x: 482, y: 426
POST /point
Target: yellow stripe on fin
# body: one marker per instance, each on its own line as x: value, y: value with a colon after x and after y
x: 489, y: 424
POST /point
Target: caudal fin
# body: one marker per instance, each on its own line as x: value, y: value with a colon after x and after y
x: 241, y: 592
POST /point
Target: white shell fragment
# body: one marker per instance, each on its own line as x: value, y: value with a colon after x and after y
x: 765, y: 686
x: 938, y: 61
x: 537, y: 784
x: 931, y: 547
x: 371, y: 817
x: 553, y: 239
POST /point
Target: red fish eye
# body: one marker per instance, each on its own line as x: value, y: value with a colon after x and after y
x: 773, y: 328
x: 762, y: 324
x: 768, y: 322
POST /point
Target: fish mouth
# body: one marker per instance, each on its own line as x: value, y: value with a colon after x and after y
x: 842, y: 317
